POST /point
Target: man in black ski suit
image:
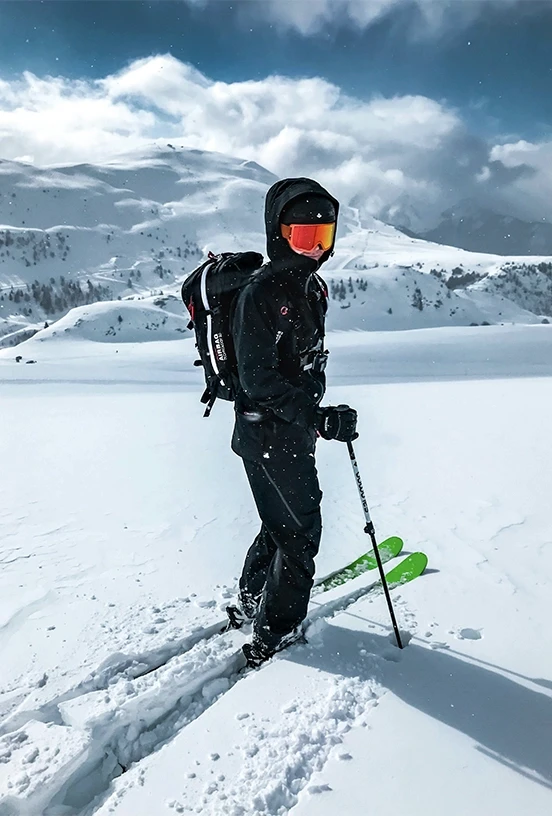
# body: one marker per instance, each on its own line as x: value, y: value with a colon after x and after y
x: 278, y: 332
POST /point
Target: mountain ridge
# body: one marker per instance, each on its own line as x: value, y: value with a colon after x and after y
x: 471, y: 226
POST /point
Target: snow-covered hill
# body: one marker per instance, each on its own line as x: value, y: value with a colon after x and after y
x: 133, y: 228
x: 125, y: 519
x: 70, y: 236
x: 128, y: 321
x: 381, y: 278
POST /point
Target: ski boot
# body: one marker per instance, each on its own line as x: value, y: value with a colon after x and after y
x: 243, y: 612
x: 266, y: 645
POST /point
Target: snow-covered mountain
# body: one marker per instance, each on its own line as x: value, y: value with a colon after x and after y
x: 381, y: 278
x: 71, y: 236
x: 131, y: 229
x: 479, y: 229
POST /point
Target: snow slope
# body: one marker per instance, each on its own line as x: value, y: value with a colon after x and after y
x: 381, y: 279
x: 125, y: 521
x: 130, y: 226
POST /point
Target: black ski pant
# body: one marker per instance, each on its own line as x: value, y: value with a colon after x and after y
x: 279, y: 567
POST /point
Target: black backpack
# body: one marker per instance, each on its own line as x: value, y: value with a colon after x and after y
x: 209, y: 294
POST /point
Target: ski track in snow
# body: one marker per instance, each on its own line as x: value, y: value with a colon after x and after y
x: 110, y: 721
x: 110, y: 731
x: 77, y: 744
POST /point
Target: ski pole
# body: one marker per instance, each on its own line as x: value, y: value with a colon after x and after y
x: 369, y: 529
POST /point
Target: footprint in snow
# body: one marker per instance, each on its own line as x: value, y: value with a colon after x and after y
x: 469, y: 634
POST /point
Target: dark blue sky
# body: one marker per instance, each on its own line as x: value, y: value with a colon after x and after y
x: 498, y: 71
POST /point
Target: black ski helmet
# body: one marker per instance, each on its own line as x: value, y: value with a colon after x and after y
x: 312, y: 208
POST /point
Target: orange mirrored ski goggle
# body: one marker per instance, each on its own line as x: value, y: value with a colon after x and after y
x: 306, y: 237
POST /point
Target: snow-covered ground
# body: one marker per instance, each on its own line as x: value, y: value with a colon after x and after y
x: 125, y: 518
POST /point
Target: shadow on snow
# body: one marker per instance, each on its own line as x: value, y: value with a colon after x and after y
x: 509, y: 721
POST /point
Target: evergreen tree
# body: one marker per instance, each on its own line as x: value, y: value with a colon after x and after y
x: 417, y: 299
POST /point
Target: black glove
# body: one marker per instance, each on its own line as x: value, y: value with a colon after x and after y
x: 337, y: 423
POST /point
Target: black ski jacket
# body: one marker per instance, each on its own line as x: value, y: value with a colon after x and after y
x: 278, y: 329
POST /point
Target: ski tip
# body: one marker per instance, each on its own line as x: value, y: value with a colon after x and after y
x: 409, y: 568
x: 418, y: 561
x: 421, y: 559
x: 392, y: 544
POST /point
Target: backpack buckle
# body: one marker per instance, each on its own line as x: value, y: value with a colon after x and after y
x: 315, y: 361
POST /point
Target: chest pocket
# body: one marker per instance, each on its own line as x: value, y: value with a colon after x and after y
x: 300, y: 331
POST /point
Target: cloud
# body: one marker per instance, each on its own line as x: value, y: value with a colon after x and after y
x: 529, y: 193
x: 55, y: 120
x: 424, y: 17
x: 311, y: 16
x: 410, y: 149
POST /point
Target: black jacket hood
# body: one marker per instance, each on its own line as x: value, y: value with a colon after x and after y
x: 283, y: 258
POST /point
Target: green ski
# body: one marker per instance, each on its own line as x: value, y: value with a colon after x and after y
x: 388, y: 549
x: 409, y: 568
